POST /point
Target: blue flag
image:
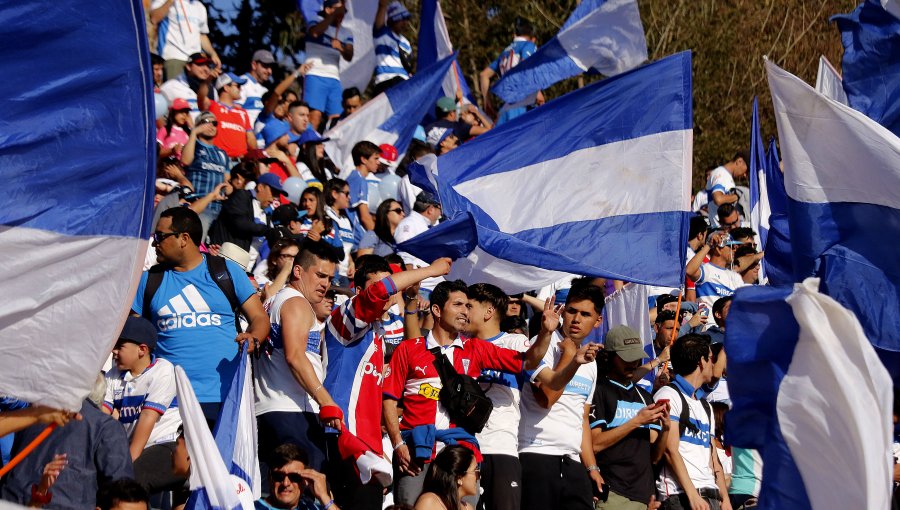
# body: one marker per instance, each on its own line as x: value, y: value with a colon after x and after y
x: 759, y: 199
x: 433, y: 45
x: 871, y: 64
x: 604, y: 37
x: 77, y: 160
x: 602, y: 191
x: 808, y: 393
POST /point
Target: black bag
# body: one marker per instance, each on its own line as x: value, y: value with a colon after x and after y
x: 461, y: 396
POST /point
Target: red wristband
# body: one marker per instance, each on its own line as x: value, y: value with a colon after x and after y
x: 38, y: 498
x: 330, y: 412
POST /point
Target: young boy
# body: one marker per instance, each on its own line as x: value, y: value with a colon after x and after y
x: 140, y: 393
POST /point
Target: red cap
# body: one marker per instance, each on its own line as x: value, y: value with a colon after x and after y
x: 389, y: 153
x: 180, y: 104
x: 395, y: 268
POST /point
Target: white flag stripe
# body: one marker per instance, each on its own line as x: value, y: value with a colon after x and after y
x: 836, y: 387
x: 628, y: 306
x: 643, y: 164
x: 360, y: 126
x: 480, y: 266
x: 611, y: 35
x: 829, y: 83
x: 855, y: 159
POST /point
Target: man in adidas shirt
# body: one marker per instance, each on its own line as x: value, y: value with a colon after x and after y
x: 691, y: 476
x: 289, y: 391
x: 558, y: 465
x: 501, y: 472
x: 140, y: 393
x: 193, y: 316
x: 628, y: 429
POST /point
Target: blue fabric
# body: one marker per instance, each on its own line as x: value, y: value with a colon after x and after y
x: 323, y: 94
x: 760, y: 340
x: 547, y: 66
x: 778, y: 258
x: 77, y: 154
x: 207, y: 171
x: 201, y: 342
x: 309, y: 9
x: 420, y: 440
x: 427, y: 55
x: 516, y: 52
x: 757, y: 160
x: 871, y: 62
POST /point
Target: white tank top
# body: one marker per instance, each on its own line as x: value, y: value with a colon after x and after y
x: 276, y: 388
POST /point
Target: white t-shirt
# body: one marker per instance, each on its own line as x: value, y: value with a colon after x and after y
x: 694, y: 447
x: 558, y: 430
x: 501, y: 433
x: 716, y: 282
x: 343, y: 227
x: 180, y: 30
x: 276, y: 389
x: 325, y: 59
x: 721, y: 180
x: 251, y: 97
x: 152, y: 389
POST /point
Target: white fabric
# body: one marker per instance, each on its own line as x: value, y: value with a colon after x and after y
x: 640, y: 164
x: 696, y: 457
x: 358, y: 21
x: 408, y: 193
x: 62, y: 310
x: 409, y: 227
x: 252, y: 88
x: 610, y: 39
x: 481, y: 266
x: 836, y: 385
x: 557, y: 431
x: 501, y: 433
x: 326, y: 60
x: 185, y: 22
x: 246, y: 442
x: 276, y: 387
x: 155, y: 385
x: 341, y: 222
x: 829, y: 82
x: 821, y: 139
x: 208, y: 470
x: 628, y: 306
x: 891, y: 6
x: 359, y: 125
x: 721, y: 180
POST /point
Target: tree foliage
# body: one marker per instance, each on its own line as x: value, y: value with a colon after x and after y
x: 728, y: 39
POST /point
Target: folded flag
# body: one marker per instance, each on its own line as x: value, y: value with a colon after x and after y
x: 829, y: 82
x: 842, y: 176
x: 605, y: 37
x: 76, y: 215
x: 809, y: 393
x: 595, y: 183
x: 390, y: 117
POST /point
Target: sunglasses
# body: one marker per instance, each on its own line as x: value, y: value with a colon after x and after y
x: 477, y: 473
x: 213, y: 122
x: 279, y: 476
x: 397, y: 210
x: 159, y: 237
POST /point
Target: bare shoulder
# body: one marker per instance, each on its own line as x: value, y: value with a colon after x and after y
x: 429, y: 501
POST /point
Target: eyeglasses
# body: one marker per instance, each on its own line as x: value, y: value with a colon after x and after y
x: 477, y: 473
x: 345, y: 192
x: 398, y: 210
x: 159, y: 237
x: 213, y: 122
x: 279, y: 476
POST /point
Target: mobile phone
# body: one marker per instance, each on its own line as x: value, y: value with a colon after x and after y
x: 602, y: 493
x: 704, y: 312
x: 662, y: 402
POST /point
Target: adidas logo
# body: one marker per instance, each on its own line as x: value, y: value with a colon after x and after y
x: 186, y: 310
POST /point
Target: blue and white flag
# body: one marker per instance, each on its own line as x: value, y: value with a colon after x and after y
x: 842, y: 177
x: 77, y: 160
x: 777, y: 259
x: 433, y: 45
x: 871, y: 63
x: 810, y: 394
x: 605, y: 37
x: 390, y: 117
x: 829, y: 82
x: 596, y: 183
x: 235, y: 434
x: 212, y: 484
x: 759, y: 197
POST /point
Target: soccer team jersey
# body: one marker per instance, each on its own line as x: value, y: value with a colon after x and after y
x: 152, y: 389
x: 501, y: 432
x: 251, y: 97
x: 325, y: 59
x: 716, y: 282
x: 234, y: 123
x: 390, y: 50
x: 720, y: 179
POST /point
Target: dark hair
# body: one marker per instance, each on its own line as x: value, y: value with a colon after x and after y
x: 441, y: 292
x: 312, y: 250
x: 382, y: 224
x: 586, y: 292
x: 508, y: 324
x: 285, y: 454
x: 367, y: 265
x: 523, y: 27
x: 393, y: 258
x: 663, y: 300
x: 446, y: 469
x: 725, y: 211
x: 186, y: 221
x: 332, y: 186
x: 742, y: 154
x: 246, y: 169
x: 416, y: 150
x: 687, y: 352
x: 744, y: 250
x: 123, y: 490
x: 363, y: 149
x: 275, y: 252
x: 719, y: 410
x: 665, y: 315
x: 742, y: 232
x: 296, y: 104
x: 490, y: 294
x: 719, y: 307
x: 317, y: 166
x: 348, y: 93
x: 399, y: 506
x: 170, y: 121
x: 698, y: 226
x: 319, y: 214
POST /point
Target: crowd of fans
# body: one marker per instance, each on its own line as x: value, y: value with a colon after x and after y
x: 260, y: 239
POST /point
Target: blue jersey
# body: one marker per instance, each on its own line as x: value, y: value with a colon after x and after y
x: 390, y: 51
x: 207, y: 171
x: 196, y: 325
x: 520, y: 49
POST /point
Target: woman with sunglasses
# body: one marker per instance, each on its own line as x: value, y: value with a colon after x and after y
x: 453, y: 475
x: 278, y: 267
x: 381, y: 240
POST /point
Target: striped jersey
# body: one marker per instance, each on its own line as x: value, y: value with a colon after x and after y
x: 342, y: 225
x: 276, y: 389
x: 520, y: 49
x: 716, y: 282
x: 391, y: 50
x: 720, y: 179
x: 251, y: 98
x: 325, y: 59
x: 179, y: 32
x: 152, y: 389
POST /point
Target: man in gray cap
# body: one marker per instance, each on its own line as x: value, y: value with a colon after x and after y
x: 628, y: 430
x: 253, y: 90
x: 426, y: 211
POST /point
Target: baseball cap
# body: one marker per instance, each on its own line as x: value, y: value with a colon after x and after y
x: 227, y: 78
x: 200, y: 59
x: 446, y: 104
x: 204, y: 117
x: 180, y: 104
x: 388, y: 154
x: 274, y: 130
x: 427, y: 198
x: 285, y: 214
x: 272, y: 181
x: 310, y: 136
x: 396, y: 12
x: 625, y: 342
x: 438, y: 134
x: 264, y: 57
x: 140, y: 331
x: 236, y: 254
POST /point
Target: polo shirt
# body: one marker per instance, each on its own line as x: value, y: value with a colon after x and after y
x: 152, y: 389
x: 234, y: 123
x: 627, y: 465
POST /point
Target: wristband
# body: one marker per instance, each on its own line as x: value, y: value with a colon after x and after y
x: 328, y: 505
x: 331, y: 412
x: 411, y: 312
x: 401, y: 443
x: 38, y: 498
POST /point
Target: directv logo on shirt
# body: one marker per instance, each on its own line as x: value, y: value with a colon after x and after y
x: 186, y: 310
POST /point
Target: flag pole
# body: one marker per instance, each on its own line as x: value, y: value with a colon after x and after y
x: 28, y: 449
x: 677, y: 310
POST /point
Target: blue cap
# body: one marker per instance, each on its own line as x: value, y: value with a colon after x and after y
x: 140, y: 331
x: 274, y: 130
x: 272, y: 181
x: 396, y: 12
x: 310, y: 136
x: 226, y: 78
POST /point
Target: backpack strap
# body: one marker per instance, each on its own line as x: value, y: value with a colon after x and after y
x: 441, y: 365
x: 219, y: 272
x: 685, y: 415
x: 154, y: 280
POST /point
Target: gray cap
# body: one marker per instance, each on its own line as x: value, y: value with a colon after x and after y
x: 264, y: 56
x: 625, y: 342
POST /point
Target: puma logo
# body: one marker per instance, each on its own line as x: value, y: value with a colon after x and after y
x: 422, y: 369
